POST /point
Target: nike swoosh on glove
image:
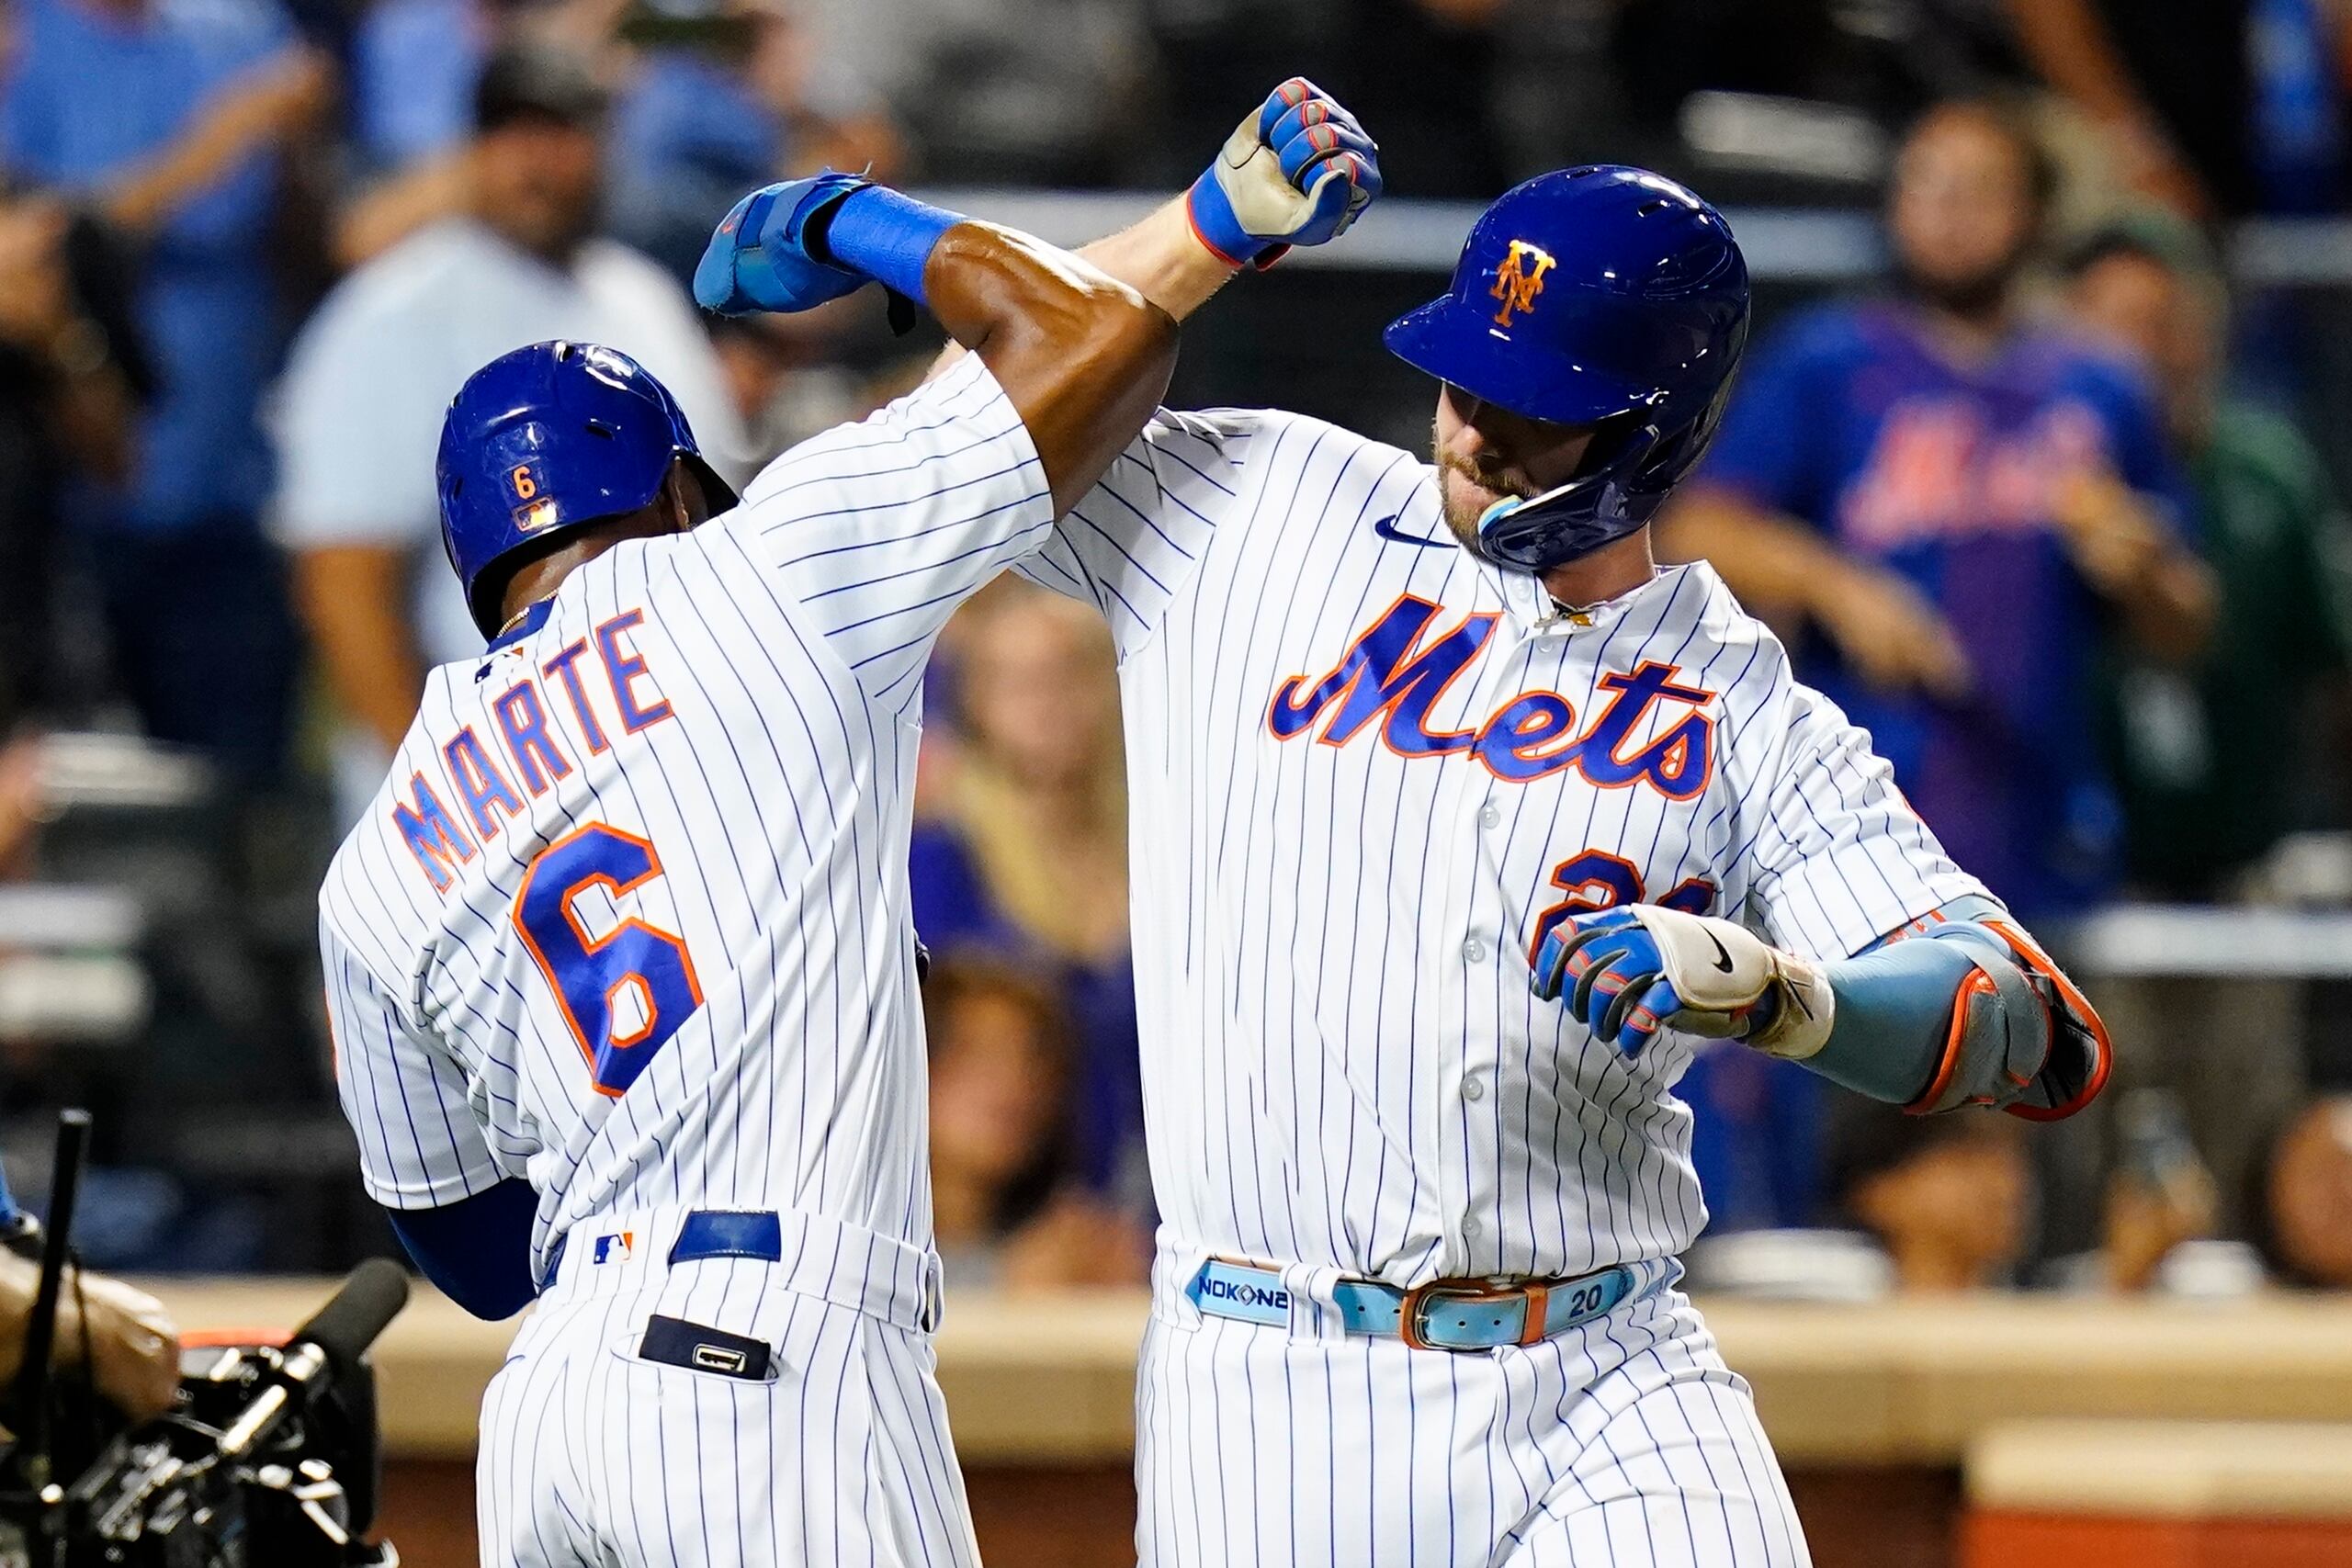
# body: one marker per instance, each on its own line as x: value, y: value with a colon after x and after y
x: 1629, y: 971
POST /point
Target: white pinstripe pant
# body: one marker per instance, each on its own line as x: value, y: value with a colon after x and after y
x: 1623, y: 1443
x: 592, y: 1458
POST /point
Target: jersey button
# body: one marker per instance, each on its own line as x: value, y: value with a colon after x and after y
x: 1475, y: 950
x: 1473, y: 1088
x: 1490, y: 816
x: 1470, y: 1227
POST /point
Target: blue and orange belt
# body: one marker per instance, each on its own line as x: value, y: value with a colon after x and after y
x: 1443, y: 1315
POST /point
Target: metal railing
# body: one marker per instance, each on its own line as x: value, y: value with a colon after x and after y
x: 1783, y: 244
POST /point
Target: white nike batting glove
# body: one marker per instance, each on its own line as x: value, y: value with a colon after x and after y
x: 1631, y: 970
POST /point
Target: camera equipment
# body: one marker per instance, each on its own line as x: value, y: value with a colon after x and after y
x: 268, y: 1458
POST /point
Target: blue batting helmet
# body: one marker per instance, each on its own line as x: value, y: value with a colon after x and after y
x: 1600, y: 296
x: 546, y: 439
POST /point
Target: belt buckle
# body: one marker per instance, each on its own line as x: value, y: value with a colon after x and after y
x: 1412, y: 1316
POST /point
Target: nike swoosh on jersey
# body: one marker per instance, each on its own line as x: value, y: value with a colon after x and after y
x: 1386, y: 528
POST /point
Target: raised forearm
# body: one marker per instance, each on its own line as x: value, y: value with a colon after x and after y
x: 1296, y: 171
x: 1161, y: 259
x: 1082, y: 356
x: 2067, y: 44
x: 272, y: 101
x: 401, y: 205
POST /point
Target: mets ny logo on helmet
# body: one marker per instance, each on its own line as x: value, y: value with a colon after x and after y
x: 1520, y: 279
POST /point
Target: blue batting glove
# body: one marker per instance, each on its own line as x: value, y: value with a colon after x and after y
x: 1298, y: 171
x: 1610, y: 967
x: 759, y: 257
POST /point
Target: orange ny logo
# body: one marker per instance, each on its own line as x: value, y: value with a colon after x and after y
x: 1520, y: 279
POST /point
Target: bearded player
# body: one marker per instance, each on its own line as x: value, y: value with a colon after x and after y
x: 1460, y: 825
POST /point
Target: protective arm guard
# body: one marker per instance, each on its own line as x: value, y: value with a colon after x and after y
x: 2021, y: 1036
x: 1961, y: 1009
x: 1964, y: 1008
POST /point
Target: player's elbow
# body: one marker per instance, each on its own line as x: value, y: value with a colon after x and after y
x: 1089, y: 375
x: 1115, y: 348
x: 490, y: 1304
x: 1132, y: 343
x: 1132, y: 330
x: 476, y: 1251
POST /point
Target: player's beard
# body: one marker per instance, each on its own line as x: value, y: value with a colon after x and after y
x: 1461, y: 518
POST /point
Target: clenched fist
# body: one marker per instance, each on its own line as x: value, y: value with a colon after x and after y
x: 1296, y: 171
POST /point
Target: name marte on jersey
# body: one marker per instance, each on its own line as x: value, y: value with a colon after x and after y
x: 534, y: 742
x: 1382, y: 680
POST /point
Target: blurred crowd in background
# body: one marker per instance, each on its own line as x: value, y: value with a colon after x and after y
x: 2049, y: 502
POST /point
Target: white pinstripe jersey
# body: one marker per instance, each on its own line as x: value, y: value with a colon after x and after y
x: 1364, y: 769
x: 628, y: 916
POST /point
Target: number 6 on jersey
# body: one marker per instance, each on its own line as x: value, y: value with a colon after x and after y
x: 623, y: 993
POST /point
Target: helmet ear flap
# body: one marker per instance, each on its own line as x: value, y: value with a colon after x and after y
x: 1613, y: 439
x: 1665, y: 464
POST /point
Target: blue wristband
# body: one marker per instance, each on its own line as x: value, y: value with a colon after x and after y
x: 887, y: 237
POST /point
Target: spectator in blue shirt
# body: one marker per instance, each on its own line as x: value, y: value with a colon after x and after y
x: 690, y: 133
x: 413, y: 65
x: 165, y: 115
x: 1945, y: 503
x: 727, y: 95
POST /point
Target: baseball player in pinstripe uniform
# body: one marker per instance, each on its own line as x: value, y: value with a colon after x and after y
x: 1460, y: 825
x: 620, y: 976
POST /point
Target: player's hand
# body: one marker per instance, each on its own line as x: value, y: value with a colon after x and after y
x: 1629, y: 971
x: 1296, y: 171
x: 1889, y: 633
x: 762, y: 256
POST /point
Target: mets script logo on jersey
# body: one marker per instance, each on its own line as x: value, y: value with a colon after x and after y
x: 615, y: 1249
x: 1520, y: 279
x: 1388, y: 679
